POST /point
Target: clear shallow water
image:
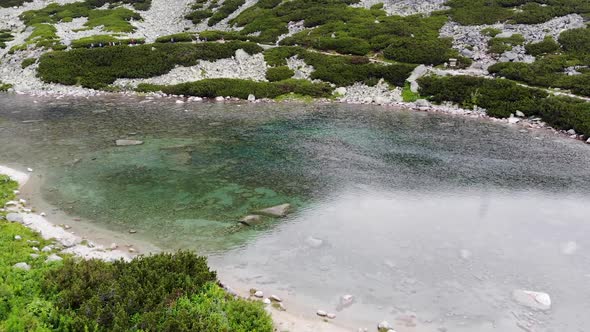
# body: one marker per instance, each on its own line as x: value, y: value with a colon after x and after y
x: 416, y: 213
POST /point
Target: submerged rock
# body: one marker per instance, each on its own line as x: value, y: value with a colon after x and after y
x: 127, y: 142
x: 251, y: 220
x: 531, y: 299
x: 321, y: 313
x: 259, y: 294
x: 276, y: 211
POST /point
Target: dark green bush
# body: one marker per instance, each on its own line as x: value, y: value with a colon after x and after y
x: 12, y: 3
x: 5, y: 86
x: 500, y: 45
x: 275, y: 74
x: 176, y: 38
x: 502, y: 98
x: 576, y: 41
x: 228, y: 7
x: 5, y: 36
x: 547, y: 46
x: 198, y: 16
x: 238, y: 88
x: 27, y: 62
x: 412, y: 50
x: 98, y: 67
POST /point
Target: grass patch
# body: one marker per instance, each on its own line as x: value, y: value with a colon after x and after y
x: 5, y: 86
x: 407, y: 94
x: 280, y: 73
x: 500, y: 45
x: 43, y: 36
x: 98, y: 67
x: 177, y: 38
x: 28, y: 62
x: 5, y: 37
x: 104, y: 40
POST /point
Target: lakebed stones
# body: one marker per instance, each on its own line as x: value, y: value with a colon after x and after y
x: 259, y: 294
x: 532, y: 299
x: 275, y: 298
x: 251, y: 220
x: 276, y: 211
x: 384, y: 326
x: 128, y: 142
x: 321, y: 313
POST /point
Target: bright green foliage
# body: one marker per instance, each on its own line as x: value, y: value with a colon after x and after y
x: 476, y: 12
x: 116, y: 20
x: 214, y: 310
x: 238, y: 88
x: 43, y: 36
x: 341, y: 70
x: 99, y: 67
x: 27, y: 62
x: 104, y: 41
x: 547, y: 46
x: 502, y: 98
x: 177, y: 38
x: 7, y: 188
x: 5, y: 37
x: 500, y: 45
x: 280, y: 73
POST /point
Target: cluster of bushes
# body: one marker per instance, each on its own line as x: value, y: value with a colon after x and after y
x: 280, y: 73
x: 177, y: 38
x: 476, y: 12
x: 27, y: 62
x: 114, y: 19
x: 164, y: 292
x: 341, y: 70
x: 499, y: 45
x: 98, y: 67
x: 547, y: 46
x: 239, y: 88
x: 5, y: 86
x: 502, y: 97
x: 5, y: 37
x: 213, y: 35
x: 104, y: 40
x: 549, y: 68
x: 228, y: 7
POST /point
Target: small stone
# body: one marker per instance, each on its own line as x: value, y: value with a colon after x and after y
x: 571, y: 132
x: 276, y: 298
x: 322, y: 313
x: 16, y: 192
x: 53, y: 258
x: 22, y: 266
x: 34, y: 256
x: 331, y: 315
x: 513, y: 120
x: 35, y: 249
x: 259, y: 294
x: 276, y: 211
x: 47, y: 249
x: 520, y: 114
x: 266, y: 301
x: 588, y: 141
x: 180, y: 101
x: 251, y: 97
x: 18, y: 237
x: 131, y: 250
x: 341, y: 91
x: 219, y: 98
x: 42, y: 214
x: 14, y: 217
x: 29, y: 169
x: 314, y: 242
x: 127, y: 142
x: 531, y: 299
x: 22, y: 201
x: 422, y: 103
x: 67, y: 226
x: 11, y: 203
x: 251, y: 220
x: 114, y: 246
x: 27, y: 210
x: 132, y: 231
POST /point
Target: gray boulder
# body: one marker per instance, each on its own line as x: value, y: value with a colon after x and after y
x: 531, y: 299
x: 53, y: 258
x: 22, y: 266
x: 14, y: 217
x: 127, y: 142
x: 276, y: 211
x: 251, y: 220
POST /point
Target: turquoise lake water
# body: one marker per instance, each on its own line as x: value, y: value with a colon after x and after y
x: 420, y: 214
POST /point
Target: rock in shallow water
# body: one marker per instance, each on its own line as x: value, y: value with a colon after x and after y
x: 127, y: 142
x: 251, y: 220
x: 14, y: 217
x: 531, y: 299
x: 276, y: 211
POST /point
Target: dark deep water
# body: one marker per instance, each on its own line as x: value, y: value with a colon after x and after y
x: 411, y: 213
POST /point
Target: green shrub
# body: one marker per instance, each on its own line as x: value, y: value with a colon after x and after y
x: 198, y: 16
x: 4, y: 87
x: 490, y: 32
x: 5, y: 37
x: 213, y: 35
x: 228, y: 7
x: 28, y: 62
x: 12, y: 3
x: 576, y: 41
x: 275, y: 74
x: 412, y: 50
x: 178, y: 37
x: 548, y: 45
x: 238, y: 88
x: 43, y: 36
x: 103, y: 41
x: 98, y: 67
x: 500, y: 45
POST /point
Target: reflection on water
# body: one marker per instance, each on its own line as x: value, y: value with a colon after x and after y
x: 420, y: 215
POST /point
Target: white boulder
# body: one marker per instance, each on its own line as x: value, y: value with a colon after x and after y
x: 532, y: 299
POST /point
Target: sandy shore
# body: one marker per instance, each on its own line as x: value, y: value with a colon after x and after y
x: 80, y: 238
